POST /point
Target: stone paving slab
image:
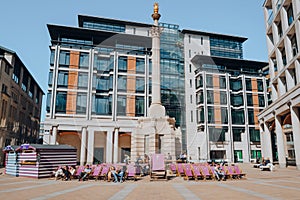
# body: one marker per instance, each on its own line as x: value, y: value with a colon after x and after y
x: 280, y: 184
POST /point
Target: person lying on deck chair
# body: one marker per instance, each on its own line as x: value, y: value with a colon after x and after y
x: 117, y: 173
x: 219, y: 173
x: 87, y: 170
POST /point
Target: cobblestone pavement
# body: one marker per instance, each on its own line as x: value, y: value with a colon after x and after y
x: 279, y: 184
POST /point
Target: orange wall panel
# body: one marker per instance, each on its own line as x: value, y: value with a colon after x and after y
x: 216, y: 81
x: 131, y: 84
x: 255, y: 100
x: 256, y: 111
x: 71, y: 103
x: 217, y: 115
x: 254, y: 84
x: 217, y: 97
x: 74, y: 59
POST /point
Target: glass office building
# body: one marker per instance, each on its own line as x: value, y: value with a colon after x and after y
x: 100, y: 85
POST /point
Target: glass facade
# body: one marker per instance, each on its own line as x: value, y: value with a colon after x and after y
x: 225, y: 48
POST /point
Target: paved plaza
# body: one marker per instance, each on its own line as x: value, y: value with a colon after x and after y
x: 279, y: 184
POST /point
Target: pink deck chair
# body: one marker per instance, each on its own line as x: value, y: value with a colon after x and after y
x: 205, y: 172
x: 197, y: 172
x: 238, y: 171
x: 103, y: 173
x: 173, y: 168
x: 187, y: 171
x: 231, y: 172
x: 96, y: 172
x: 180, y: 170
x: 157, y: 166
x: 131, y: 172
x: 78, y: 171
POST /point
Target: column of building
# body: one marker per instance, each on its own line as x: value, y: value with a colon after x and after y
x: 295, y: 116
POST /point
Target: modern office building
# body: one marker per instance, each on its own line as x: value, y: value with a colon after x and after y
x: 100, y: 85
x: 20, y: 102
x: 224, y: 94
x: 279, y: 122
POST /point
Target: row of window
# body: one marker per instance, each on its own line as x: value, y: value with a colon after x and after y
x: 219, y: 115
x: 236, y: 84
x: 220, y: 98
x: 218, y: 134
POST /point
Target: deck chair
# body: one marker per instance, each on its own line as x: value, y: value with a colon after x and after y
x: 78, y: 171
x: 131, y: 173
x: 180, y: 170
x: 238, y: 171
x: 96, y: 172
x: 231, y: 172
x: 205, y: 172
x: 196, y: 172
x: 212, y: 169
x: 104, y: 172
x: 158, y: 168
x: 187, y: 171
x: 173, y: 168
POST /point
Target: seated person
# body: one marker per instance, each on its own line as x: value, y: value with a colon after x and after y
x: 117, y: 173
x: 87, y: 170
x: 66, y: 172
x: 72, y: 170
x: 58, y: 173
x: 219, y: 173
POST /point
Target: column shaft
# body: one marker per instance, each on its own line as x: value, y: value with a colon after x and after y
x: 116, y: 145
x: 83, y: 146
x: 90, y: 152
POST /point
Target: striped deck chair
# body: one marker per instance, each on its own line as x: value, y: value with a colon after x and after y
x: 96, y: 172
x: 231, y: 172
x: 227, y: 175
x: 205, y: 172
x: 131, y: 173
x: 78, y: 171
x: 187, y: 168
x: 104, y: 172
x: 173, y: 168
x: 180, y: 170
x: 238, y: 171
x: 212, y: 170
x: 197, y: 172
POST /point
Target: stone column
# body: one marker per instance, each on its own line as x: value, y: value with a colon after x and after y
x: 90, y: 149
x: 54, y: 135
x: 280, y: 142
x: 109, y: 146
x: 116, y: 145
x: 83, y: 146
x: 296, y: 135
x: 267, y: 143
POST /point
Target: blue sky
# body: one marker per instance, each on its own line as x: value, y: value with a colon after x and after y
x: 23, y: 23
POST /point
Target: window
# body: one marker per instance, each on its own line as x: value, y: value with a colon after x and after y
x: 37, y: 97
x: 191, y: 83
x: 199, y: 81
x: 238, y: 116
x: 254, y: 135
x: 6, y: 68
x: 222, y: 80
x: 60, y: 104
x: 62, y: 80
x: 223, y: 98
x: 237, y: 134
x: 248, y: 84
x: 210, y: 115
x: 140, y: 85
x: 4, y: 89
x: 249, y: 99
x: 290, y: 14
x: 199, y: 97
x: 190, y: 53
x: 190, y: 67
x: 139, y: 106
x: 251, y: 118
x: 209, y: 81
x: 103, y: 64
x: 236, y: 84
x: 31, y: 89
x: 217, y: 134
x: 82, y: 80
x: 81, y: 103
x: 64, y: 59
x: 4, y: 108
x: 201, y: 40
x: 189, y: 38
x: 52, y: 56
x: 25, y: 81
x: 16, y: 73
x: 260, y: 85
x: 122, y: 83
x: 237, y: 100
x: 210, y: 96
x: 102, y: 105
x: 121, y: 106
x: 83, y: 60
x: 294, y: 45
x: 50, y: 78
x: 48, y: 104
x: 192, y: 119
x: 122, y: 64
x: 224, y: 115
x: 140, y: 66
x: 255, y: 154
x: 261, y: 100
x: 200, y: 118
x: 191, y: 98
